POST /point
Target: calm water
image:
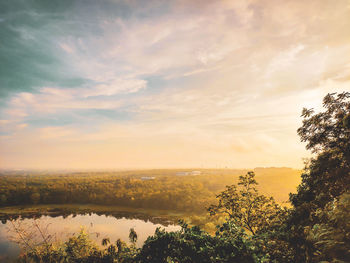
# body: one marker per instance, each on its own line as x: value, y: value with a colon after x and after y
x: 98, y: 226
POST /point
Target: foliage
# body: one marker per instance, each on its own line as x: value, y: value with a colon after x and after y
x: 190, y: 245
x: 81, y: 249
x: 30, y: 235
x: 246, y: 207
x: 327, y: 134
x: 332, y: 235
x: 132, y: 236
x: 166, y: 191
x: 326, y: 176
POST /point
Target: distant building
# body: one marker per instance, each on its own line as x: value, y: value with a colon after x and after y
x: 188, y: 173
x: 182, y: 173
x: 145, y: 178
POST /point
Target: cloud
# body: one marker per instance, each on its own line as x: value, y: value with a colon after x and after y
x: 4, y: 122
x: 115, y: 86
x: 29, y: 57
x: 54, y: 100
x: 54, y: 132
x: 66, y: 48
x: 175, y: 83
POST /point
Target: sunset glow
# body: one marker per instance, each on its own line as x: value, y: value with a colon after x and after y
x: 163, y: 84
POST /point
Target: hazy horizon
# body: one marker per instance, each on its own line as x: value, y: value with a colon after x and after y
x: 53, y: 170
x: 143, y: 85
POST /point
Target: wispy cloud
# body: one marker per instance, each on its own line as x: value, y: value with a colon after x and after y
x: 177, y: 83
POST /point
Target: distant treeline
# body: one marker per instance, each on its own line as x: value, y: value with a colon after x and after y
x: 166, y: 190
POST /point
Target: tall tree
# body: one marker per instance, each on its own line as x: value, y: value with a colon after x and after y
x: 246, y: 207
x: 327, y: 134
x: 327, y: 174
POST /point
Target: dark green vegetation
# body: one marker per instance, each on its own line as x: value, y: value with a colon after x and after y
x: 325, y: 184
x: 256, y: 229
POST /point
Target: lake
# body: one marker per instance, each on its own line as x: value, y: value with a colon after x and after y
x: 98, y: 226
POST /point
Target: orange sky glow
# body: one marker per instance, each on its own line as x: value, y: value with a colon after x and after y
x: 128, y: 84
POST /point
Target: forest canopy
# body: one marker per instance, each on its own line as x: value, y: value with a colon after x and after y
x: 160, y: 189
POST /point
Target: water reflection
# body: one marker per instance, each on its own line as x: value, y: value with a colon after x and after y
x: 59, y: 212
x: 99, y: 227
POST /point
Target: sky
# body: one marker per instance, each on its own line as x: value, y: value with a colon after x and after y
x: 165, y: 84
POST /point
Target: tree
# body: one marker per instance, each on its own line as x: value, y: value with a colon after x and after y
x: 105, y: 241
x: 132, y: 236
x: 35, y: 198
x: 246, y: 207
x: 332, y: 235
x: 326, y: 176
x: 3, y: 199
x: 192, y: 245
x: 328, y: 135
x: 80, y: 247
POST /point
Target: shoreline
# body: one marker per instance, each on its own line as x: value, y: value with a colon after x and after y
x: 160, y: 216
